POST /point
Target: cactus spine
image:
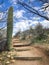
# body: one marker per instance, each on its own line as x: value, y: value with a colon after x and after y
x: 9, y: 28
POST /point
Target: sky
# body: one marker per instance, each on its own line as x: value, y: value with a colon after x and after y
x: 22, y: 18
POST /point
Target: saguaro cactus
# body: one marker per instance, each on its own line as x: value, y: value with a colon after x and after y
x: 9, y: 28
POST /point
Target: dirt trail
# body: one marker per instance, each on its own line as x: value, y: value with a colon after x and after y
x: 32, y: 52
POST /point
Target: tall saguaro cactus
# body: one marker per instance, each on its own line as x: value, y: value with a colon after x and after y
x: 9, y: 28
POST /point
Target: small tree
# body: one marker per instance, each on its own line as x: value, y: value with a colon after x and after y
x: 39, y: 31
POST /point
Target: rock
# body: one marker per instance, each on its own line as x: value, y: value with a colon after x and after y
x: 0, y: 58
x: 8, y: 56
x: 7, y: 62
x: 11, y: 57
x: 12, y: 61
x: 2, y: 45
x: 10, y: 52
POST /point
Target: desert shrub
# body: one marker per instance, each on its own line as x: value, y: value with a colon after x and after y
x: 40, y: 34
x: 23, y: 36
x: 31, y: 30
x: 17, y: 34
x: 32, y: 41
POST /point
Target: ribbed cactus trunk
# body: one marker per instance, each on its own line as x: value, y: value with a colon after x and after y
x: 9, y: 28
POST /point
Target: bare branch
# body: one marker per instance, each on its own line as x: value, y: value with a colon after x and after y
x: 32, y: 10
x: 45, y: 7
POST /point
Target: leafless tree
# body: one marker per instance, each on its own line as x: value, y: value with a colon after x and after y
x: 37, y: 12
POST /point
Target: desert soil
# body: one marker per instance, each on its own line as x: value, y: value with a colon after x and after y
x: 33, y: 52
x: 30, y: 51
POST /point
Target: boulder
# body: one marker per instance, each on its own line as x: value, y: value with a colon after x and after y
x: 3, y: 44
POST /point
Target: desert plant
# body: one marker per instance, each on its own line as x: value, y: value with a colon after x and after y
x: 40, y: 34
x: 22, y: 36
x: 9, y: 28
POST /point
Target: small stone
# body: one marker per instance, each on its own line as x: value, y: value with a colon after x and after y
x: 10, y: 52
x: 7, y: 62
x: 11, y: 57
x: 12, y: 61
x: 8, y: 56
x: 0, y: 58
